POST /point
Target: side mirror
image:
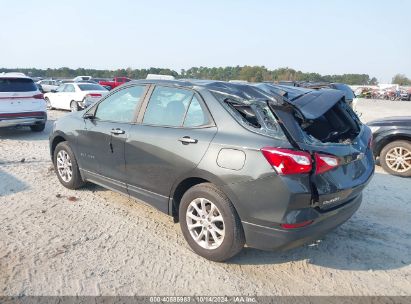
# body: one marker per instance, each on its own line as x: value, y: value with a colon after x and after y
x: 89, y: 115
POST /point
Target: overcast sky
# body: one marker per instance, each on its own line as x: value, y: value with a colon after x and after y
x: 328, y: 37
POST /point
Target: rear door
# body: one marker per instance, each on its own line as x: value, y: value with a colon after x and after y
x: 173, y: 135
x: 18, y: 95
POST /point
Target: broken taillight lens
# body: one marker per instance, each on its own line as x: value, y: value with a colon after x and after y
x: 296, y: 225
x: 286, y: 161
x: 325, y: 162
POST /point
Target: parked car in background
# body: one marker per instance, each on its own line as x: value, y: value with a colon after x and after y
x: 74, y: 96
x: 235, y: 164
x: 21, y: 102
x: 48, y: 85
x: 392, y: 144
x: 115, y: 82
x: 81, y: 78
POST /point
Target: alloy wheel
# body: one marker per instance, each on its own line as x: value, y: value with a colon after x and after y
x: 64, y: 166
x: 205, y: 223
x: 398, y: 159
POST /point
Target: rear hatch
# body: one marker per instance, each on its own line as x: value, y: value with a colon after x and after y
x: 19, y: 95
x: 321, y: 123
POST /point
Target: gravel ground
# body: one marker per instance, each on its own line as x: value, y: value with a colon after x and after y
x: 54, y: 241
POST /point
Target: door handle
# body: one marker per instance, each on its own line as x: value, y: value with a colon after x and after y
x: 187, y: 140
x: 117, y: 131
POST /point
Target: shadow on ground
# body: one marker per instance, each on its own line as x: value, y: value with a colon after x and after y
x: 24, y: 133
x: 9, y: 184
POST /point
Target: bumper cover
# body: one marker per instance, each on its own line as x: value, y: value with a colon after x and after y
x: 22, y: 119
x: 268, y: 238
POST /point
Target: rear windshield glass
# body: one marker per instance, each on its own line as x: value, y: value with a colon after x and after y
x: 17, y: 85
x: 91, y: 87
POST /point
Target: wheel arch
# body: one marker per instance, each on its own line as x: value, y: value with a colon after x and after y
x: 185, y: 183
x: 56, y: 140
x: 388, y: 138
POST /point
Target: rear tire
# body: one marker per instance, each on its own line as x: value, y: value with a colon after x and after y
x: 74, y: 106
x: 216, y: 221
x: 38, y: 128
x: 395, y: 158
x: 66, y: 168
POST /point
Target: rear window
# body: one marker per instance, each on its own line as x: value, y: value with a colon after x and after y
x: 91, y: 87
x: 17, y: 85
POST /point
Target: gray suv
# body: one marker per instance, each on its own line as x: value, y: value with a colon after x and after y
x: 235, y: 164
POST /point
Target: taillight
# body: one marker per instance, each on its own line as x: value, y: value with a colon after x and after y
x: 287, y: 161
x: 94, y: 95
x: 296, y: 225
x: 324, y: 163
x: 38, y: 96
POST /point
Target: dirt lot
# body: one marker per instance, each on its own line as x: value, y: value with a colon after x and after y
x: 54, y: 241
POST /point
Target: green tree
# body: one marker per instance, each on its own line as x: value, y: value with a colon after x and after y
x: 401, y: 79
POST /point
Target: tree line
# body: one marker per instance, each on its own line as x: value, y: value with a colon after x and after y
x: 247, y: 73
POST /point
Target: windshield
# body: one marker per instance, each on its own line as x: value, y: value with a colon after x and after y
x: 17, y: 85
x: 91, y: 87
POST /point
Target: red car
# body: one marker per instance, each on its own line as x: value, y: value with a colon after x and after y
x: 115, y: 82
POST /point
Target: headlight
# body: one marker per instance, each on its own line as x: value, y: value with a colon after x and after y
x: 374, y: 129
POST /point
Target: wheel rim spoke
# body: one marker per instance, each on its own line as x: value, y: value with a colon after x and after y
x: 64, y: 166
x: 205, y: 223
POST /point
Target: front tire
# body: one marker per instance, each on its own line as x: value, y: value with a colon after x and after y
x: 65, y: 165
x: 395, y: 158
x: 210, y: 223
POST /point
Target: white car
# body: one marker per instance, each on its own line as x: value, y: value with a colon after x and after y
x: 74, y: 96
x: 21, y: 102
x: 81, y: 78
x: 48, y: 85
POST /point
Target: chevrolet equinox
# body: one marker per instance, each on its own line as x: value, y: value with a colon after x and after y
x: 269, y: 166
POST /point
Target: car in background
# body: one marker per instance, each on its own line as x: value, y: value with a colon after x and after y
x: 234, y: 163
x: 115, y: 82
x: 392, y: 144
x: 21, y: 102
x: 81, y: 78
x: 48, y: 85
x: 74, y: 96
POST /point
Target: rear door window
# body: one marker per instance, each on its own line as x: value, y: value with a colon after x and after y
x: 167, y: 106
x: 17, y: 85
x: 196, y: 115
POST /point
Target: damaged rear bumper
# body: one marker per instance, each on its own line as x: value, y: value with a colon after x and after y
x: 276, y: 238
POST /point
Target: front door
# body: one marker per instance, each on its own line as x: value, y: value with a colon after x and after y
x: 101, y: 144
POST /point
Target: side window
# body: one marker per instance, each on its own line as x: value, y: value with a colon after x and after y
x: 196, y: 115
x: 121, y: 105
x: 167, y: 106
x: 69, y: 88
x: 61, y: 88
